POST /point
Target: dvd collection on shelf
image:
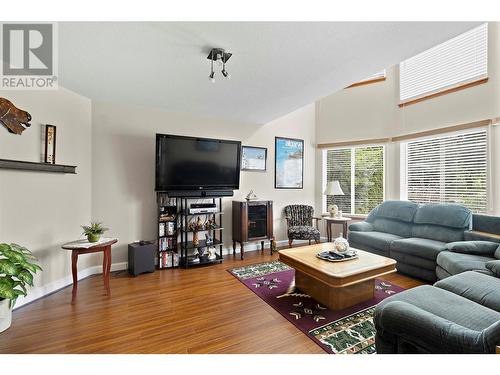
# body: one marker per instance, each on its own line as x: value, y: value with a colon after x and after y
x: 168, y: 259
x: 166, y: 228
x: 166, y: 243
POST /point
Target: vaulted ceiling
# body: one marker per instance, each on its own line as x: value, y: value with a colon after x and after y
x: 276, y: 67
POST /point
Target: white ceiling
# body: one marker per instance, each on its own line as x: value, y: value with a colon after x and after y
x: 276, y: 67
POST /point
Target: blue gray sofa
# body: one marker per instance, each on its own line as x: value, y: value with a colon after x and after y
x: 476, y: 253
x: 412, y: 234
x: 460, y: 314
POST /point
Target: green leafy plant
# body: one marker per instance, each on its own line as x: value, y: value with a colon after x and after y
x: 94, y: 228
x: 17, y: 268
x: 93, y: 231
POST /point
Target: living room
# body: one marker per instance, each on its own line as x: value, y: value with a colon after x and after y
x: 235, y: 193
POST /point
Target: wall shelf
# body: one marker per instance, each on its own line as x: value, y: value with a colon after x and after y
x: 33, y: 166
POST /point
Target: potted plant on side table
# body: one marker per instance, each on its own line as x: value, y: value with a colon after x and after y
x: 93, y: 231
x: 16, y: 272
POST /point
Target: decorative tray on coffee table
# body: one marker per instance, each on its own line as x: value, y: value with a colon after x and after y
x: 333, y: 256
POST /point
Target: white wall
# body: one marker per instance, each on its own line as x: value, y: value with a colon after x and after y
x: 371, y: 112
x: 123, y: 163
x: 44, y: 210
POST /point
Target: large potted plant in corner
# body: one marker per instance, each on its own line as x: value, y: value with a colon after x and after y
x: 16, y: 272
x: 93, y: 231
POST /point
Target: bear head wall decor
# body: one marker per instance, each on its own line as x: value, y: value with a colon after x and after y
x: 13, y: 118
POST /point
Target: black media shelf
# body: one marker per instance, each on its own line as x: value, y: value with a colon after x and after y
x: 175, y: 232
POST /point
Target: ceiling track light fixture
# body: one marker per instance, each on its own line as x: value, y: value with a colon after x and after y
x: 218, y: 55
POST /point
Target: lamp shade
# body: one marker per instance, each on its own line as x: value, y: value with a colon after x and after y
x: 333, y: 188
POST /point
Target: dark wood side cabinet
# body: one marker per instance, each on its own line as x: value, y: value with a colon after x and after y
x: 252, y: 221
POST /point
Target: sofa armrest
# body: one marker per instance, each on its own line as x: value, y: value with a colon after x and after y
x: 494, y: 266
x: 484, y: 248
x: 362, y: 226
x: 426, y: 330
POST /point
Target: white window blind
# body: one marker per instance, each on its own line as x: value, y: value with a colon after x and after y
x: 360, y: 172
x: 449, y: 169
x: 458, y: 61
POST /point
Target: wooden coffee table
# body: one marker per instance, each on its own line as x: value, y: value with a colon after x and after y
x: 336, y: 284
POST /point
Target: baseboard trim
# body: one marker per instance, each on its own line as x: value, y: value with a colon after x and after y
x: 38, y: 292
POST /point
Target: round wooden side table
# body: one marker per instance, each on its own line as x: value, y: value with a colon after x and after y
x: 336, y: 220
x: 85, y: 247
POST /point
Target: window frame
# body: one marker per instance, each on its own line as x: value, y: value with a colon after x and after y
x: 451, y: 88
x: 324, y: 207
x: 368, y: 81
x: 403, y: 162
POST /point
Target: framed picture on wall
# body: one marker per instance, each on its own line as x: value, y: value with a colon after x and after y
x: 253, y: 158
x: 288, y: 163
x: 50, y: 144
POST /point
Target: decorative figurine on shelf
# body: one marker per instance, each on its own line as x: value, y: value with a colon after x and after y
x: 196, y: 240
x: 208, y: 239
x: 210, y: 224
x: 199, y: 224
x: 273, y: 245
x: 211, y: 253
x: 251, y: 196
x: 202, y: 251
x: 191, y: 226
x: 340, y: 245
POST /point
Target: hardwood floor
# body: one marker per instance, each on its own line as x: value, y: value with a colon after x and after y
x: 200, y: 310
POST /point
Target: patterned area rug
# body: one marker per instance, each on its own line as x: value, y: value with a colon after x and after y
x: 348, y: 331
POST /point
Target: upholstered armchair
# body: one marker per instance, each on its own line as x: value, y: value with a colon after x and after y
x: 299, y: 221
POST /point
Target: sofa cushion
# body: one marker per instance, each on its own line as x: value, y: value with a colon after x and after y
x: 361, y: 226
x: 397, y: 227
x: 484, y: 248
x: 474, y: 286
x: 497, y: 253
x: 471, y: 235
x: 378, y: 240
x: 494, y: 267
x: 303, y: 232
x: 419, y: 247
x: 455, y: 263
x: 447, y: 215
x: 414, y: 260
x: 437, y: 232
x: 397, y: 210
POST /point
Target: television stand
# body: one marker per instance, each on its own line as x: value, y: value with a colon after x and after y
x: 187, y: 241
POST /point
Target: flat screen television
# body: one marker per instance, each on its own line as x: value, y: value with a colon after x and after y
x: 196, y: 164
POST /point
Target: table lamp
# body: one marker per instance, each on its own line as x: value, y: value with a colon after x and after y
x: 333, y: 188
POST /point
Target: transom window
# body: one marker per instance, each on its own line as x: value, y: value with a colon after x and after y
x: 457, y: 62
x: 447, y: 169
x: 360, y: 172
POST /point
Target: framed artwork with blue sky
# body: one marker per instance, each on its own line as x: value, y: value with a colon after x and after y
x: 289, y: 163
x: 253, y: 158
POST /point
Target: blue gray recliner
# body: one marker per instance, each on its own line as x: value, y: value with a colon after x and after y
x: 412, y: 234
x: 460, y: 314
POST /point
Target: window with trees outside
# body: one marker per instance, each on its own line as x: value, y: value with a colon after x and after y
x: 360, y: 172
x: 447, y: 169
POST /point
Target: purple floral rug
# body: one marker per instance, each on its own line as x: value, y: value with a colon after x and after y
x: 349, y: 331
